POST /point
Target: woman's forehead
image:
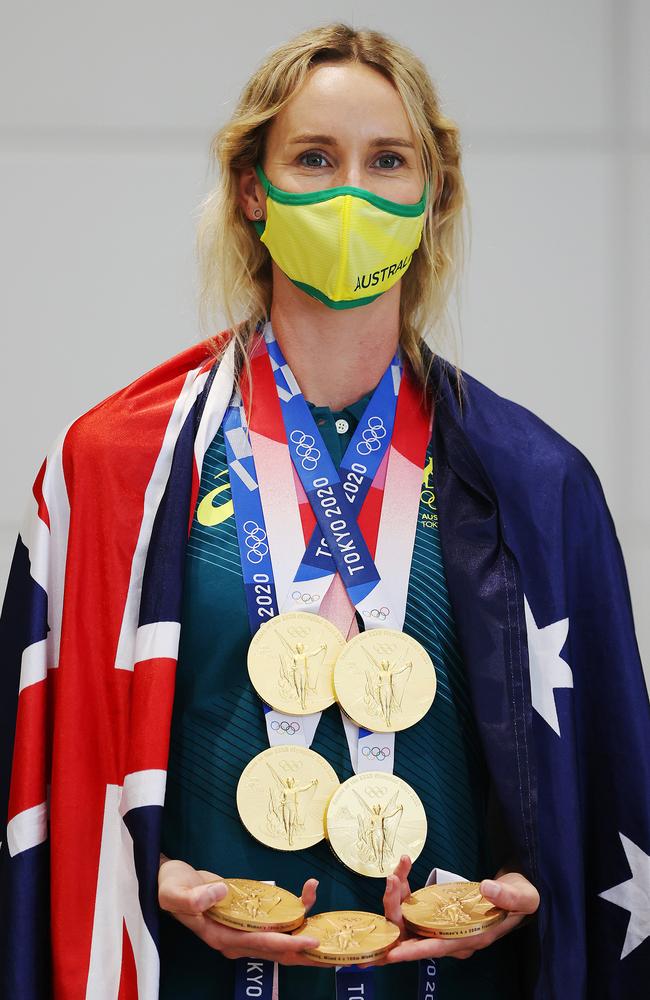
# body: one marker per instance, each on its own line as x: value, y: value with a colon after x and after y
x: 340, y: 98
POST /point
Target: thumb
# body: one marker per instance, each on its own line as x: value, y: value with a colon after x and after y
x: 180, y: 898
x: 392, y: 900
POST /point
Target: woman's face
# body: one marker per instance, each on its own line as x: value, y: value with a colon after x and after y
x: 346, y: 125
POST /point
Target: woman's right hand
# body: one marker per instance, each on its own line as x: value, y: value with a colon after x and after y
x: 187, y: 893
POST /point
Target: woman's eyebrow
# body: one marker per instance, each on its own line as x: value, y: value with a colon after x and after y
x: 329, y: 140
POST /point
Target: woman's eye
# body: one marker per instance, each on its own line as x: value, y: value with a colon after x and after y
x: 313, y: 156
x: 390, y: 156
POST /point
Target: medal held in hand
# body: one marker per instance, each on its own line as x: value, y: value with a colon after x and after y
x: 291, y: 662
x: 384, y: 680
x: 282, y: 796
x: 257, y: 906
x: 349, y: 936
x: 451, y: 910
x: 372, y: 819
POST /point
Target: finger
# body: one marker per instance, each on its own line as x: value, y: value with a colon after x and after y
x: 392, y: 901
x: 403, y: 871
x: 403, y: 867
x: 179, y: 898
x: 511, y: 892
x: 275, y: 943
x: 308, y: 896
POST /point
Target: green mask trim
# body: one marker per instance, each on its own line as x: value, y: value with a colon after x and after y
x: 313, y: 197
x: 343, y: 304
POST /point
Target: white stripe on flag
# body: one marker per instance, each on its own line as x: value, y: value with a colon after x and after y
x: 157, y: 641
x: 117, y: 900
x: 48, y: 549
x: 124, y: 658
x: 33, y: 664
x: 215, y: 405
x: 27, y: 829
x: 143, y: 788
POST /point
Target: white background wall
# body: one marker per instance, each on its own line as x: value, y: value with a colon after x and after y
x: 106, y: 112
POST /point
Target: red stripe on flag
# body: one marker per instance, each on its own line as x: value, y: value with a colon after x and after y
x: 29, y: 774
x: 152, y: 697
x: 108, y: 457
x: 128, y: 989
x: 37, y: 490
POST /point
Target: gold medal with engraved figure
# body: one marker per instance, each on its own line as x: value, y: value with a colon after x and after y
x: 372, y: 820
x: 291, y: 662
x: 451, y: 910
x: 257, y: 906
x: 349, y: 936
x: 384, y: 680
x: 282, y: 796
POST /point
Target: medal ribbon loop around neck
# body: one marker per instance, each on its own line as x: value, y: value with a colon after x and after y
x: 283, y: 457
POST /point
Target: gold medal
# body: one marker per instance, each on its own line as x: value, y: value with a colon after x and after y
x: 282, y: 796
x: 256, y: 906
x: 452, y: 910
x: 349, y: 936
x: 384, y: 680
x: 372, y: 820
x: 291, y: 662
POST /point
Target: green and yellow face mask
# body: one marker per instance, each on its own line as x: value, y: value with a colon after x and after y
x: 343, y: 245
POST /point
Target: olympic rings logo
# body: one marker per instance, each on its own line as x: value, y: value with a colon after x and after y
x: 285, y: 727
x: 379, y: 753
x: 381, y: 613
x: 305, y: 448
x: 372, y: 436
x: 255, y: 542
x: 375, y: 791
x: 305, y: 598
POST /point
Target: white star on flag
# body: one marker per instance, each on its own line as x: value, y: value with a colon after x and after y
x: 633, y: 895
x: 547, y: 669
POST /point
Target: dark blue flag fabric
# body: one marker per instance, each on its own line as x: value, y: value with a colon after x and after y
x: 540, y: 592
x: 89, y: 639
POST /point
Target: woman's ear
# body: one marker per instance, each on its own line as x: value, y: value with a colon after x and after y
x: 252, y: 199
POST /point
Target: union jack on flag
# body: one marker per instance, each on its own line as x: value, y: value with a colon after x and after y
x: 89, y: 639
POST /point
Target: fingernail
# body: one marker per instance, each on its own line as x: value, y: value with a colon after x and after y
x: 489, y: 888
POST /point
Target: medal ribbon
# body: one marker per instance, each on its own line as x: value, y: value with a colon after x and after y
x: 384, y: 527
x: 361, y: 534
x: 336, y: 496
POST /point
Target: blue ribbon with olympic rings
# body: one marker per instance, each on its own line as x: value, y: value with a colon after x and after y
x: 254, y: 550
x: 332, y: 498
x: 254, y: 977
x: 255, y: 556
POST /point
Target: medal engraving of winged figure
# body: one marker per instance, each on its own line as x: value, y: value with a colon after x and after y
x: 343, y: 934
x: 385, y: 686
x: 286, y: 805
x: 377, y: 830
x: 464, y: 907
x: 255, y: 901
x: 294, y: 672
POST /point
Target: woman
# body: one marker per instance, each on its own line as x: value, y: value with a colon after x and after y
x: 336, y: 224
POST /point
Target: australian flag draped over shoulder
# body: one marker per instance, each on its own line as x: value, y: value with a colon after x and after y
x: 88, y: 646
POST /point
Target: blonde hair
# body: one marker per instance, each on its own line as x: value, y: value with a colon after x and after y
x: 235, y: 274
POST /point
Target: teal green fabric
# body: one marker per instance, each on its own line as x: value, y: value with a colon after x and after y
x: 218, y: 727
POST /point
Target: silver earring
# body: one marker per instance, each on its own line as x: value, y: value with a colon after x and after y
x: 257, y: 213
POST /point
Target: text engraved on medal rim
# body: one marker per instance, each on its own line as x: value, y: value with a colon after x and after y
x: 348, y: 936
x: 256, y: 905
x: 454, y: 909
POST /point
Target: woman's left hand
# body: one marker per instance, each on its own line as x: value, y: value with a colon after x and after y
x: 509, y: 890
